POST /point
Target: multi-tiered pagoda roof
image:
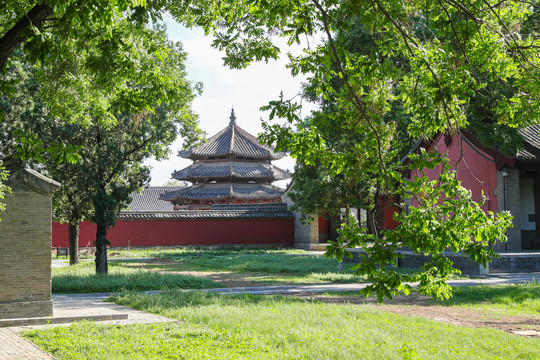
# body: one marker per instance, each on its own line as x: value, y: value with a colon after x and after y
x: 232, y: 167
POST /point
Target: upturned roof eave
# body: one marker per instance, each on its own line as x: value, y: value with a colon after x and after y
x: 188, y: 154
x: 227, y: 193
x: 232, y: 170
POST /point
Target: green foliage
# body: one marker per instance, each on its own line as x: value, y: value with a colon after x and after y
x: 3, y: 188
x: 434, y: 66
x: 446, y: 219
x: 387, y: 73
x: 82, y: 278
x: 99, y: 162
x: 86, y: 64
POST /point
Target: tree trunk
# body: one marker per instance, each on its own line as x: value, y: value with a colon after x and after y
x: 102, y: 267
x: 73, y: 230
x: 19, y: 32
x: 372, y: 222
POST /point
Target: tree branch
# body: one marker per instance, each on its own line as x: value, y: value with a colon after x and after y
x: 17, y: 34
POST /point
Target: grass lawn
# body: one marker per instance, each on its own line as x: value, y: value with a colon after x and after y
x: 248, y: 267
x: 510, y: 300
x: 275, y: 327
x: 82, y: 278
x: 184, y: 251
x: 265, y: 268
x: 507, y: 300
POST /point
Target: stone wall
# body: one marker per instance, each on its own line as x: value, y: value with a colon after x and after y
x: 305, y: 235
x: 25, y: 248
x: 510, y: 183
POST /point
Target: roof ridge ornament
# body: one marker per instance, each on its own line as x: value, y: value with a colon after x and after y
x: 232, y: 125
x: 232, y: 117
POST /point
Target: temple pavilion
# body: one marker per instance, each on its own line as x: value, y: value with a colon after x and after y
x: 231, y: 168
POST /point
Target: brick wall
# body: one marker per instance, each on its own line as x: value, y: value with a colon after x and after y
x: 25, y: 244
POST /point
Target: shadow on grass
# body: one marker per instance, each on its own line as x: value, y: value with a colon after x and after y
x: 157, y: 303
x: 520, y: 297
x: 195, y: 252
x: 83, y: 279
x: 504, y: 294
x: 270, y: 264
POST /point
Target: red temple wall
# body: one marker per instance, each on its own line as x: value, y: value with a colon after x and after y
x: 184, y: 232
x: 475, y: 169
x: 324, y: 224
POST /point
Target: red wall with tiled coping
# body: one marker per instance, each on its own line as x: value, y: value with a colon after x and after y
x: 184, y: 232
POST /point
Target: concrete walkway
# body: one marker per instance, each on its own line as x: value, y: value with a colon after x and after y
x: 66, y: 309
x: 73, y: 307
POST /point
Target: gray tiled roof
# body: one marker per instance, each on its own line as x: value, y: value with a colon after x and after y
x: 205, y: 214
x: 251, y: 207
x: 231, y: 169
x: 232, y: 142
x: 224, y: 191
x: 149, y: 199
x: 531, y: 147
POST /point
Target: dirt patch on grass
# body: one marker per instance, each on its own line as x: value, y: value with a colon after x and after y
x: 417, y: 305
x: 228, y: 279
x: 231, y: 280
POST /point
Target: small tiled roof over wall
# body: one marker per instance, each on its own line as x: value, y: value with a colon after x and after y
x: 149, y: 201
x: 531, y: 146
x: 148, y: 206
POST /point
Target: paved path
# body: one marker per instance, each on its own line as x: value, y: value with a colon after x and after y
x: 71, y: 307
x: 14, y: 347
x: 497, y: 279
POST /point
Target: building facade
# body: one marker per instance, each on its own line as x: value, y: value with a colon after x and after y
x: 508, y: 182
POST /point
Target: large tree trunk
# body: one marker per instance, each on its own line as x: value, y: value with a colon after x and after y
x: 73, y: 230
x: 19, y: 32
x: 102, y: 267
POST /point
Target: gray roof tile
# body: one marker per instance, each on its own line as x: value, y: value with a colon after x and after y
x: 531, y: 147
x: 224, y: 191
x: 149, y: 199
x: 232, y: 142
x: 229, y: 170
x: 226, y: 211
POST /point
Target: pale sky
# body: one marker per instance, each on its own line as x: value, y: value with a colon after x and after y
x: 245, y: 90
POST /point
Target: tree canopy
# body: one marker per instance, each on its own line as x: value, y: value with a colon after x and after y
x: 100, y: 163
x: 433, y: 58
x: 449, y: 66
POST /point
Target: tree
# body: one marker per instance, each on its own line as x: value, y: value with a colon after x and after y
x: 432, y: 57
x: 174, y: 182
x: 110, y: 168
x: 86, y: 71
x: 314, y: 191
x: 109, y: 155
